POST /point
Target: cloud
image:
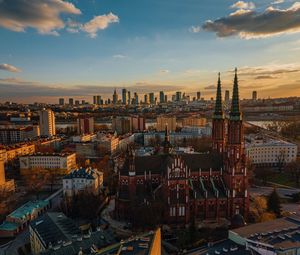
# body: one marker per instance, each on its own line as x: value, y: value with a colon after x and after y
x: 195, y: 29
x: 269, y: 70
x: 243, y: 5
x: 210, y: 87
x: 278, y: 2
x: 9, y: 68
x: 265, y: 77
x: 248, y: 24
x: 99, y: 23
x: 119, y: 56
x: 42, y: 15
x: 164, y: 71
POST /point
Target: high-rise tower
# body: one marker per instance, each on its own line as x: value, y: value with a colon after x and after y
x: 235, y: 159
x: 218, y: 128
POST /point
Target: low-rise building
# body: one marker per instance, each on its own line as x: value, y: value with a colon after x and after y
x: 83, y: 179
x: 65, y: 162
x: 19, y: 219
x: 280, y: 236
x: 18, y: 134
x: 262, y: 150
x: 54, y: 234
x: 15, y: 151
x: 107, y: 143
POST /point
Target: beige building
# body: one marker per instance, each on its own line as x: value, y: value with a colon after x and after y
x: 194, y: 122
x: 47, y: 123
x: 107, y: 143
x: 162, y: 121
x: 268, y: 151
x: 15, y: 151
x: 65, y: 162
x: 83, y: 179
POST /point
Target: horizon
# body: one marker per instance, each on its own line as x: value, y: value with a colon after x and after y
x: 83, y: 48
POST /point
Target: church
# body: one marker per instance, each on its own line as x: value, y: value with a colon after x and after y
x: 202, y: 186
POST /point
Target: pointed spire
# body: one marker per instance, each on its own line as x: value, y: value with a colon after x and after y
x: 167, y: 137
x: 235, y: 113
x: 218, y: 114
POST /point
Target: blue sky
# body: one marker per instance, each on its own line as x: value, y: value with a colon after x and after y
x: 150, y: 45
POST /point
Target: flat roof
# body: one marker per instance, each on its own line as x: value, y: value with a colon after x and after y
x: 28, y: 208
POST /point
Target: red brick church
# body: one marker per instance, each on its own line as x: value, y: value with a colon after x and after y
x: 207, y: 186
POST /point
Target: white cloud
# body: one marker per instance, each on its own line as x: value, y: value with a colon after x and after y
x: 119, y: 56
x: 249, y: 24
x: 99, y: 23
x: 195, y: 29
x: 164, y: 71
x: 278, y: 2
x: 9, y: 68
x: 243, y: 5
x: 42, y: 15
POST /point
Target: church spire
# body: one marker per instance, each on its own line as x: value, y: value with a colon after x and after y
x: 235, y: 113
x: 166, y: 143
x: 218, y: 114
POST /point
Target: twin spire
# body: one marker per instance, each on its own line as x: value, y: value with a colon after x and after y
x: 235, y: 113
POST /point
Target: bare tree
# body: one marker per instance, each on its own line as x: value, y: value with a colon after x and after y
x: 293, y: 168
x: 281, y: 160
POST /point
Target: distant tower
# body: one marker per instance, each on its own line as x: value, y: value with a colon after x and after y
x: 254, y: 95
x: 218, y: 129
x: 129, y: 97
x: 198, y: 95
x: 227, y: 96
x: 61, y: 101
x: 124, y: 96
x: 115, y: 97
x: 235, y: 160
x: 161, y: 97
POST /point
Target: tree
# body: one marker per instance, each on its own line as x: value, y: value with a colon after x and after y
x: 258, y: 210
x: 281, y: 158
x: 263, y: 174
x: 36, y: 179
x: 274, y: 203
x: 293, y: 169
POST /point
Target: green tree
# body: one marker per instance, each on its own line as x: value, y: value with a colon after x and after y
x: 274, y: 203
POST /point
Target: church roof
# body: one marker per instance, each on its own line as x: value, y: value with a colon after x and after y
x: 158, y: 164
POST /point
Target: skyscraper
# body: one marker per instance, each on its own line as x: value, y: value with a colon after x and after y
x: 166, y: 98
x: 115, y: 97
x: 47, y: 123
x: 161, y: 97
x: 71, y: 101
x: 85, y: 125
x: 178, y: 96
x: 94, y: 99
x: 61, y: 101
x: 129, y: 97
x: 198, y: 95
x: 254, y: 95
x: 136, y: 98
x: 151, y: 98
x: 146, y: 99
x: 227, y: 96
x: 124, y: 96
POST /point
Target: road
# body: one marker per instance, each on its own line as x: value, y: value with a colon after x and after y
x: 265, y: 191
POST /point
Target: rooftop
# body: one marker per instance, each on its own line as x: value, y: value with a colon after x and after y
x: 87, y: 173
x: 28, y: 208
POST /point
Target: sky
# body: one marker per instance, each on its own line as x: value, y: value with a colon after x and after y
x: 81, y: 48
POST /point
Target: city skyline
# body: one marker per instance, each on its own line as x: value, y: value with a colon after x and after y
x: 84, y: 48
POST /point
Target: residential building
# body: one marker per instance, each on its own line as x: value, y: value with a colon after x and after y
x: 19, y: 219
x: 138, y: 123
x: 15, y: 151
x: 47, y: 123
x: 162, y: 121
x: 266, y: 151
x: 121, y: 125
x: 194, y: 121
x: 207, y: 186
x: 17, y: 135
x: 85, y: 125
x: 107, y: 143
x: 64, y: 162
x: 83, y: 179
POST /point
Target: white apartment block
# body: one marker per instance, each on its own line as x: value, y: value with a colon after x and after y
x: 65, y: 162
x: 268, y: 151
x: 47, y: 123
x: 83, y: 179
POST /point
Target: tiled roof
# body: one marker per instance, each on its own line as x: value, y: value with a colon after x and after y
x: 87, y: 173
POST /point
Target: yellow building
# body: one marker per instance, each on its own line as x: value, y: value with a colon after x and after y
x: 162, y: 121
x: 194, y: 121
